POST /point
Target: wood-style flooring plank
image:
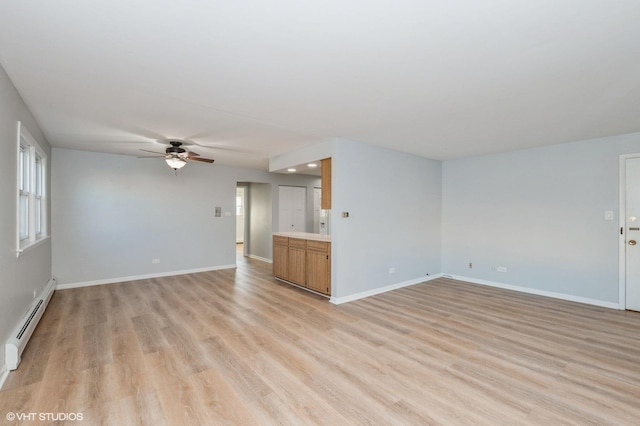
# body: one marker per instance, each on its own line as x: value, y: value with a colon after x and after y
x: 237, y: 347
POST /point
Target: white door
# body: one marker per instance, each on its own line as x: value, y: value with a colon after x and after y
x: 317, y: 196
x: 299, y: 209
x: 293, y: 208
x: 285, y: 199
x: 632, y: 234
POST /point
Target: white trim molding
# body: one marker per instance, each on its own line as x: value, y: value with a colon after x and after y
x: 368, y: 293
x: 262, y: 259
x: 142, y: 277
x: 562, y: 296
x: 554, y: 295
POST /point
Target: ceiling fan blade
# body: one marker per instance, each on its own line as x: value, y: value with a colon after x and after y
x: 153, y: 152
x: 203, y: 160
x: 151, y: 156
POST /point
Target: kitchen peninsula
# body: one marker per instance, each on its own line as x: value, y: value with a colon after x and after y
x: 303, y: 259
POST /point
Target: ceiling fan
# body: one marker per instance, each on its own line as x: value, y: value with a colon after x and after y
x: 176, y: 156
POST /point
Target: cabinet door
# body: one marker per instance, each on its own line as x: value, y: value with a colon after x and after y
x: 326, y: 183
x: 297, y: 261
x: 319, y: 267
x: 280, y: 260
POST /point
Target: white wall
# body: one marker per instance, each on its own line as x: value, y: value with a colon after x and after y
x: 113, y: 214
x: 19, y: 277
x: 540, y: 213
x: 394, y: 205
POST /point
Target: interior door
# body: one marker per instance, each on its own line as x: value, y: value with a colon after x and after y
x: 299, y: 209
x: 632, y: 234
x: 285, y: 220
x: 292, y: 211
x: 317, y: 196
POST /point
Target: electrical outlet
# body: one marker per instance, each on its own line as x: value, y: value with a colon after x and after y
x: 155, y: 260
x: 392, y: 270
x: 501, y: 268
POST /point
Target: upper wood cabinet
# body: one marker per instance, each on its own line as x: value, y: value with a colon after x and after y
x: 325, y: 202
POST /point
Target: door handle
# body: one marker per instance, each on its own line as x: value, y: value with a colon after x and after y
x: 632, y: 242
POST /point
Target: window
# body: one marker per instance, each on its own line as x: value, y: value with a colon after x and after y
x: 31, y: 209
x: 23, y: 192
x: 239, y: 207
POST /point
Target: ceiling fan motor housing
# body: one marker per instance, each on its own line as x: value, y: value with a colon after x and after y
x: 175, y: 148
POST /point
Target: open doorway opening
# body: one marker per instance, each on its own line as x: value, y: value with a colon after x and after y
x: 254, y: 220
x: 241, y: 220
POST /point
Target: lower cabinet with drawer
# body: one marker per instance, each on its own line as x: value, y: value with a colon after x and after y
x: 303, y: 262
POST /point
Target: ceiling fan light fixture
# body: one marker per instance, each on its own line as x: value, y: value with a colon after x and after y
x: 175, y: 163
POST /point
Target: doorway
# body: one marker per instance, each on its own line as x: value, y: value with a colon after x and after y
x: 629, y: 252
x: 241, y: 222
x: 240, y: 214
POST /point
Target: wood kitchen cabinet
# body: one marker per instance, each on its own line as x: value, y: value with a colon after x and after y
x: 281, y: 257
x: 301, y: 261
x: 319, y: 266
x: 297, y: 261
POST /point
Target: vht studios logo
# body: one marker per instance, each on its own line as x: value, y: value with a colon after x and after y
x: 44, y: 417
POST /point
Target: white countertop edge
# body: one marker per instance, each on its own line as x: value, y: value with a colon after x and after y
x: 304, y: 236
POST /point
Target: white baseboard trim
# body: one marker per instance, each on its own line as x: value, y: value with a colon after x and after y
x: 263, y: 259
x: 142, y: 277
x: 562, y: 296
x: 4, y: 373
x: 368, y: 293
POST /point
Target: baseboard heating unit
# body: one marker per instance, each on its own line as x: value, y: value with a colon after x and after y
x: 20, y: 336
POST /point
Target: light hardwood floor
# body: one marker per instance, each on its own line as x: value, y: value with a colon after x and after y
x: 238, y: 347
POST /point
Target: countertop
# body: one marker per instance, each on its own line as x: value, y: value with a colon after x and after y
x: 304, y: 236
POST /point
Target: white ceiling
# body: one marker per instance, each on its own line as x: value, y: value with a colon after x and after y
x: 255, y: 78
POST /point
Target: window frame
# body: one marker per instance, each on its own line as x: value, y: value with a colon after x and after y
x: 31, y: 200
